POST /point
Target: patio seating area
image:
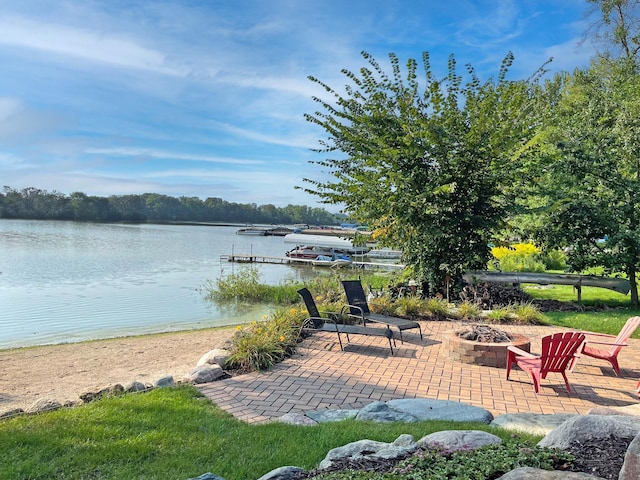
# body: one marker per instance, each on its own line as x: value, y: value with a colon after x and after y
x: 321, y: 376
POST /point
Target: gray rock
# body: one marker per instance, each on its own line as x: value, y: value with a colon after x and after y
x: 167, y: 381
x: 530, y: 473
x: 297, y: 419
x: 43, y: 405
x: 533, y: 423
x: 453, y: 440
x: 100, y: 392
x: 381, y: 412
x: 631, y: 467
x: 135, y: 387
x: 370, y: 449
x: 218, y: 356
x: 204, y: 374
x: 11, y: 413
x: 282, y: 473
x: 625, y: 410
x: 426, y: 409
x: 587, y: 428
x: 207, y: 476
x: 323, y: 416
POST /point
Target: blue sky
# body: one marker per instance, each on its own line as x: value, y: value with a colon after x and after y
x: 206, y: 98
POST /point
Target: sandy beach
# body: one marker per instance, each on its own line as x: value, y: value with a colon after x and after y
x: 63, y: 372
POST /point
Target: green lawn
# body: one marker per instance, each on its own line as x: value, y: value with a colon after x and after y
x: 606, y: 311
x: 174, y: 433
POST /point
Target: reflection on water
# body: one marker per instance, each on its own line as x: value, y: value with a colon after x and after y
x: 68, y: 281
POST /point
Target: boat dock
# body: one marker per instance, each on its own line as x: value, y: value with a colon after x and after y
x: 250, y: 258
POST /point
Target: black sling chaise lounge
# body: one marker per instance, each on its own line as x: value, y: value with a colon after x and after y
x: 331, y: 323
x: 359, y: 307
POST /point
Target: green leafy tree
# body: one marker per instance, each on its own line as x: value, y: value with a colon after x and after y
x: 590, y: 171
x: 429, y: 164
x: 618, y: 28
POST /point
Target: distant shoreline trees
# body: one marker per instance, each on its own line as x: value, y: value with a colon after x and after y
x: 36, y: 204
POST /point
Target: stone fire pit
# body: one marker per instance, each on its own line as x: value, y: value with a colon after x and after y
x: 491, y: 353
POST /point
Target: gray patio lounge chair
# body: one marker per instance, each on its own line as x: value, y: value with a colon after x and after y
x: 331, y: 322
x: 358, y: 307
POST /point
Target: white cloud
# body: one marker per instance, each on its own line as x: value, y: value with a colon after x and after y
x: 116, y: 50
x: 159, y: 154
x: 18, y: 122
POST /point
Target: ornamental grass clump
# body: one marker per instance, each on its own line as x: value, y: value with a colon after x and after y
x: 499, y: 315
x: 468, y: 311
x: 260, y: 345
x: 383, y: 304
x: 528, y: 313
x: 437, y: 308
x: 409, y: 306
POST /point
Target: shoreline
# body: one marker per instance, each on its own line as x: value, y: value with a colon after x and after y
x: 120, y: 337
x: 64, y: 371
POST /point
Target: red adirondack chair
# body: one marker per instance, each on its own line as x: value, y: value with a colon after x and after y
x: 614, y: 344
x: 558, y: 352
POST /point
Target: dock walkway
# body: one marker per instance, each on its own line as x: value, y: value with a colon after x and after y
x: 251, y: 258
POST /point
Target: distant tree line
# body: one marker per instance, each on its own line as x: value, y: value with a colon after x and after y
x: 33, y: 203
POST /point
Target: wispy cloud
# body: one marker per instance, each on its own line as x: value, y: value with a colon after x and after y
x: 18, y: 122
x: 150, y: 153
x: 113, y: 49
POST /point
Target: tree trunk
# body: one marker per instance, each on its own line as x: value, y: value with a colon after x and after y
x: 633, y: 286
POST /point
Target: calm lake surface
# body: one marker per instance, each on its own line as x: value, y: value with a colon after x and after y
x: 68, y: 282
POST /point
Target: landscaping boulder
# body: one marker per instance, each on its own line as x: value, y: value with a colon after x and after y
x: 530, y: 473
x: 207, y: 476
x: 167, y: 381
x: 216, y: 356
x: 43, y: 405
x: 631, y: 466
x: 282, y: 473
x: 589, y: 428
x: 297, y: 419
x: 382, y: 412
x: 136, y: 387
x: 204, y: 374
x: 453, y: 440
x: 533, y: 423
x: 11, y: 413
x: 370, y: 449
x: 323, y: 416
x: 427, y: 409
x: 100, y: 392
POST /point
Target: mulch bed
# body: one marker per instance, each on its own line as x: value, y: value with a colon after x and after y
x: 600, y: 458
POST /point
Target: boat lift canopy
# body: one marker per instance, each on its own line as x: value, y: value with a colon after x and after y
x: 327, y: 241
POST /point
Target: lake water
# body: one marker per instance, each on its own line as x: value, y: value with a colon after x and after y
x: 68, y: 282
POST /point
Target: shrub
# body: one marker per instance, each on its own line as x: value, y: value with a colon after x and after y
x: 554, y: 260
x: 519, y: 257
x: 260, y: 345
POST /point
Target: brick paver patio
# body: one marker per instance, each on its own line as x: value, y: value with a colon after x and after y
x: 321, y: 376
